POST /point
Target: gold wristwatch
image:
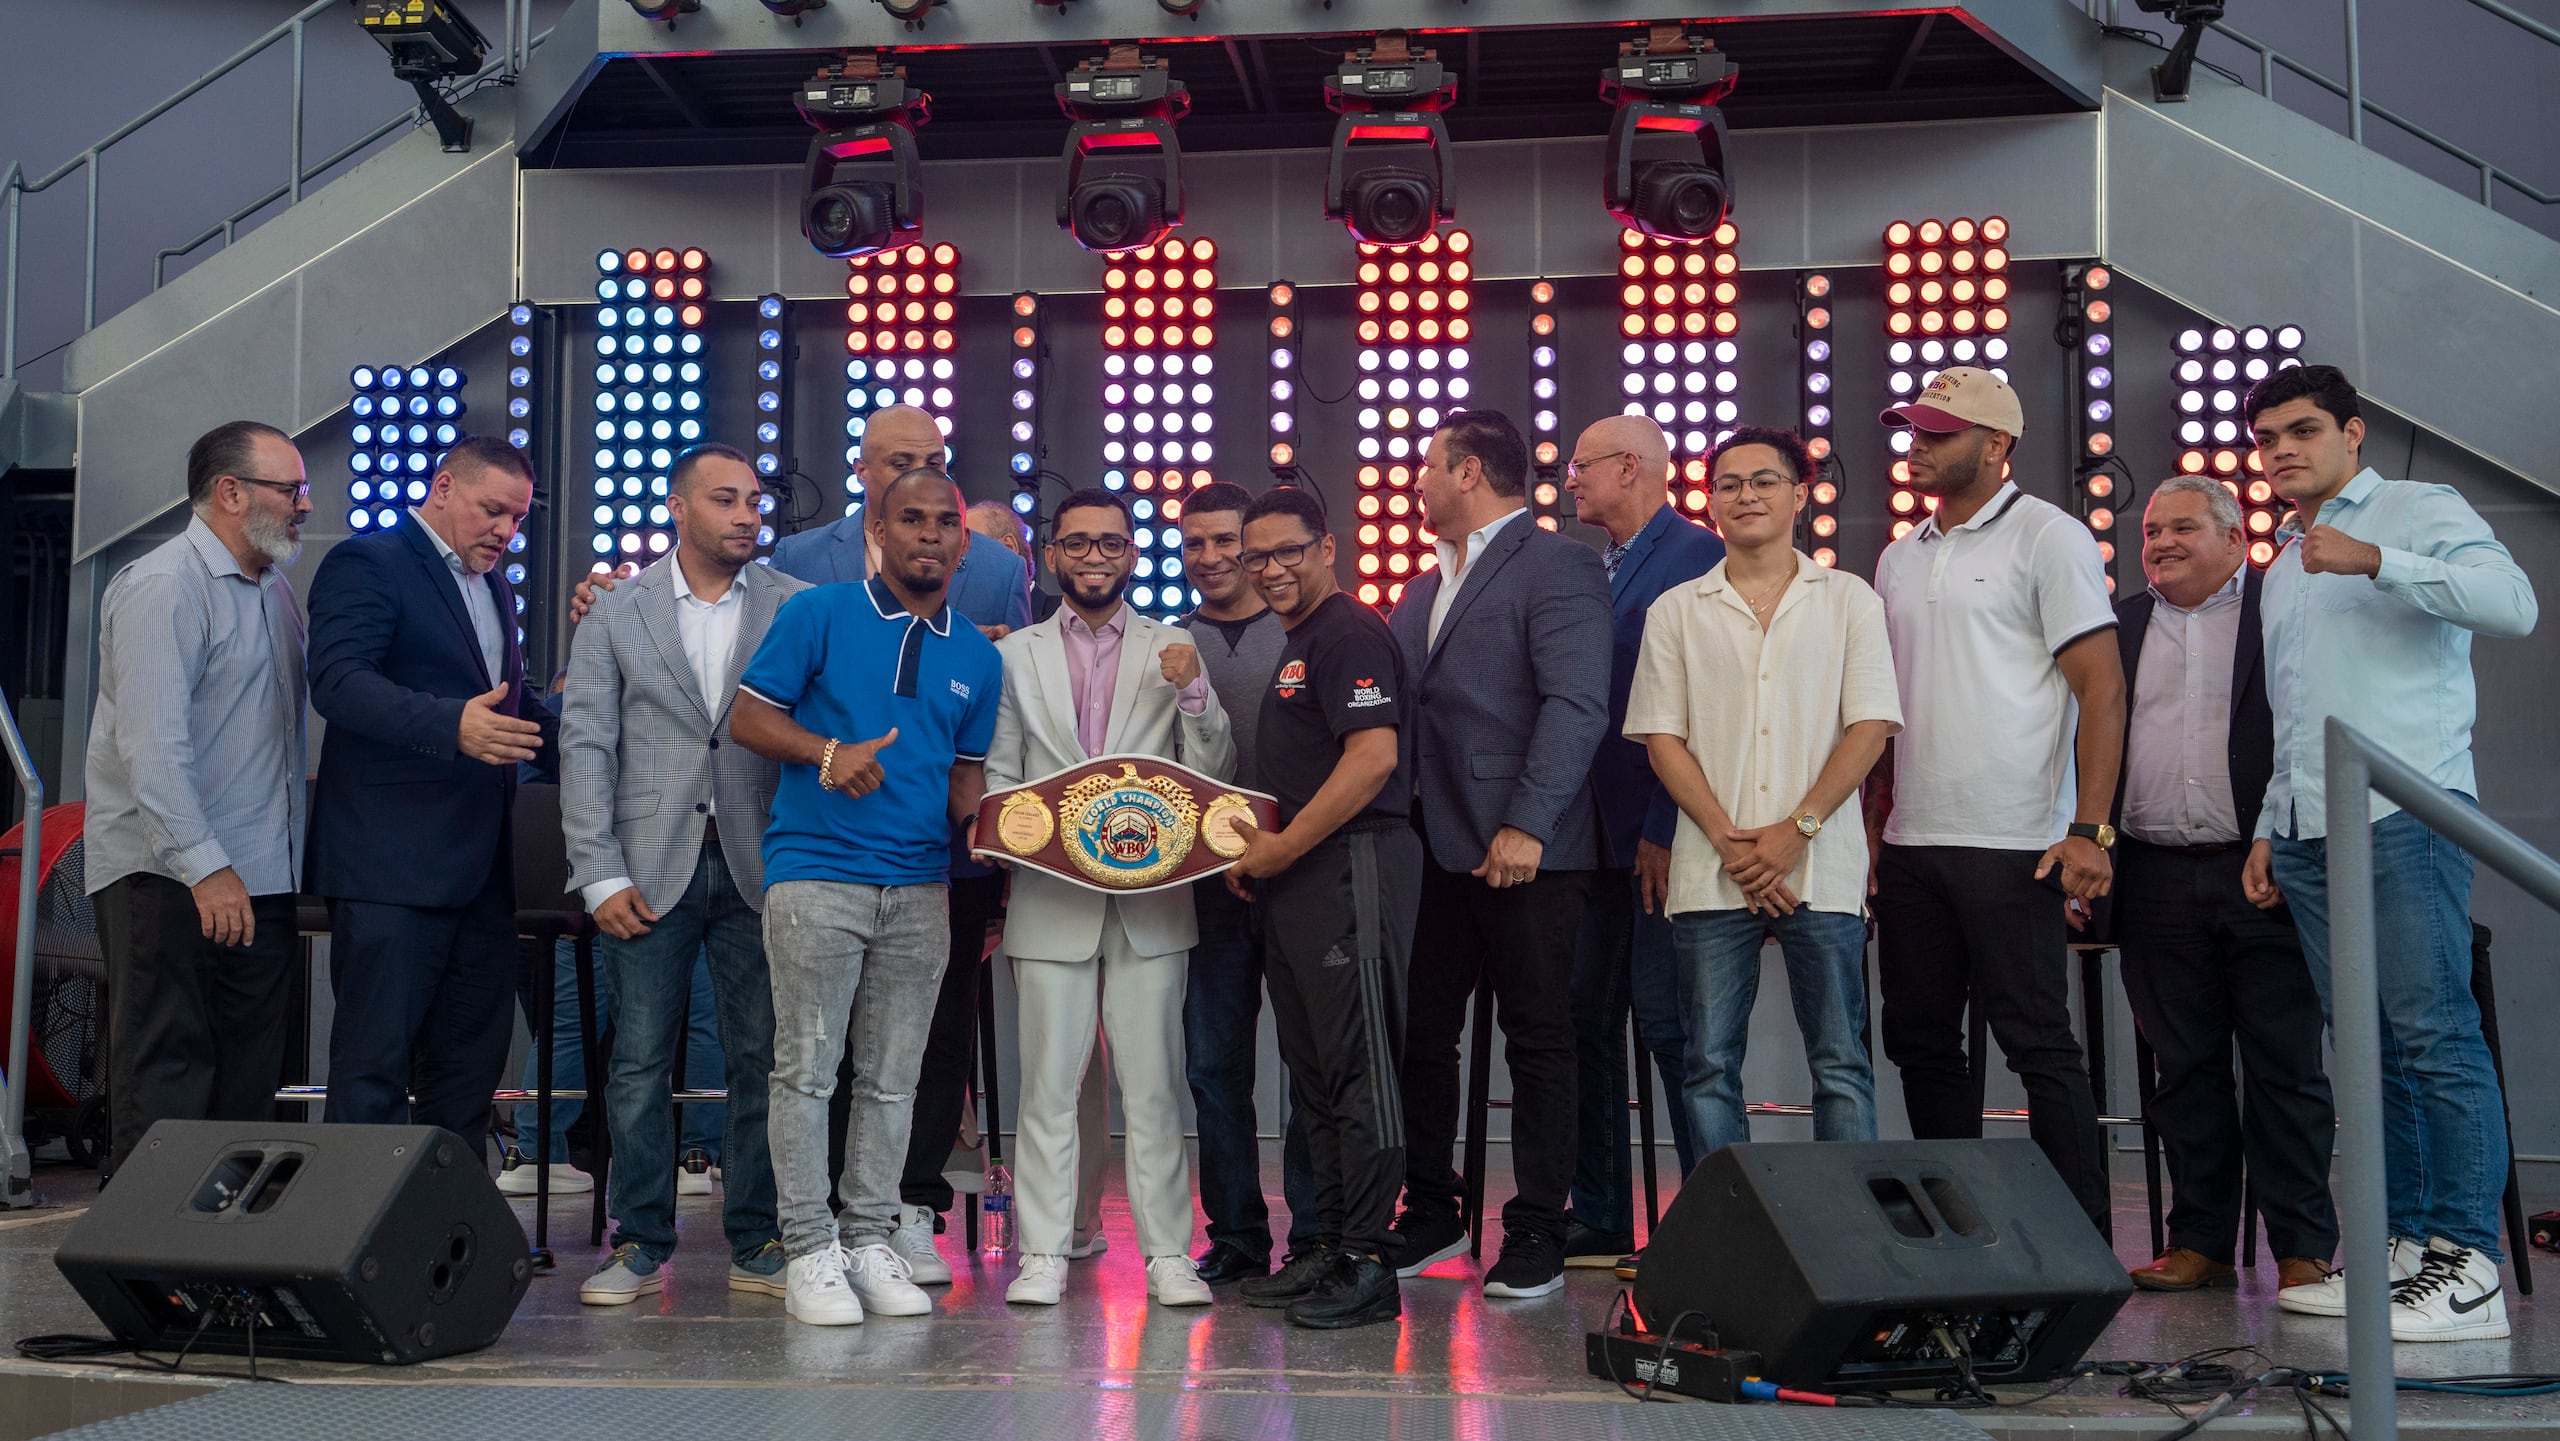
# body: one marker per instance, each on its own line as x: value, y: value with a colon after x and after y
x: 2102, y: 833
x: 1808, y: 825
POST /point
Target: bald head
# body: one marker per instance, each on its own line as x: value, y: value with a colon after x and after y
x: 1621, y: 474
x: 897, y: 440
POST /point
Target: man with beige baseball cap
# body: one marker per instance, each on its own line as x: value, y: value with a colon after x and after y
x: 1990, y: 809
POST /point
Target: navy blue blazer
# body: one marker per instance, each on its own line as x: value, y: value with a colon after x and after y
x: 399, y: 814
x: 990, y: 585
x: 1508, y: 708
x: 1670, y: 550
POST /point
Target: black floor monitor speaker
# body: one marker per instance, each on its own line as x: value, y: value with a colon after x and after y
x: 331, y: 1243
x: 1860, y: 1264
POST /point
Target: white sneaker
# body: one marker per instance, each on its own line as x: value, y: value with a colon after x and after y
x: 815, y: 1290
x: 913, y: 1241
x: 1085, y: 1245
x: 625, y: 1278
x: 2456, y: 1296
x: 519, y: 1178
x: 879, y: 1276
x: 1040, y: 1282
x: 1174, y: 1281
x: 2329, y: 1298
x: 695, y: 1173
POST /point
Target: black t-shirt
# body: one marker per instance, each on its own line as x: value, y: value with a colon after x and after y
x: 1340, y: 671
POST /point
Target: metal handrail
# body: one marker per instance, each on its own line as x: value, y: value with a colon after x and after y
x: 17, y: 1167
x: 2357, y: 769
x: 2492, y: 175
x: 518, y: 47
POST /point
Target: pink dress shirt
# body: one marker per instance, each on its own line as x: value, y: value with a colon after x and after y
x: 1093, y: 671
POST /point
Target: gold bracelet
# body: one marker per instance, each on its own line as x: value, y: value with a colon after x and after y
x: 826, y: 759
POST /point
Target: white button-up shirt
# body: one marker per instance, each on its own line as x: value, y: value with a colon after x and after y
x: 1762, y: 711
x: 2177, y: 748
x: 2389, y: 654
x: 1454, y: 562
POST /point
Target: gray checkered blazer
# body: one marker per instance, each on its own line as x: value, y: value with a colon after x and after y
x: 644, y: 754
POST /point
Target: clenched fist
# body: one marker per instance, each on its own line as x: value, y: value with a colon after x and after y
x: 2327, y: 550
x: 1180, y: 664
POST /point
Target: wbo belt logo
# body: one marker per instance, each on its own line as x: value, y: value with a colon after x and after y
x: 1123, y: 831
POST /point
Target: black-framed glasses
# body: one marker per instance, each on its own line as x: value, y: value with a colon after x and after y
x: 298, y: 489
x: 1077, y: 547
x: 1764, y: 484
x: 1288, y: 556
x: 1576, y: 467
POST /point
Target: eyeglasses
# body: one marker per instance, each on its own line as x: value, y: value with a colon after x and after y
x: 1763, y: 483
x: 1577, y: 466
x: 298, y: 489
x: 1077, y: 547
x: 1287, y: 556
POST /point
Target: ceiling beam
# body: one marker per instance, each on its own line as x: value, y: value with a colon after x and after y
x: 677, y: 95
x: 1919, y: 38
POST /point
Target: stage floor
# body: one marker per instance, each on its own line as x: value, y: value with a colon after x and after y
x: 1110, y: 1363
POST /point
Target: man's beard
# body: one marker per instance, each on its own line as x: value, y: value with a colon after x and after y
x: 271, y: 537
x: 1109, y: 596
x: 928, y: 583
x: 1954, y: 476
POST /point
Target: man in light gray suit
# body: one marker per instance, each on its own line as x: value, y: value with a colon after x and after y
x: 665, y: 817
x: 1506, y: 646
x: 1099, y: 679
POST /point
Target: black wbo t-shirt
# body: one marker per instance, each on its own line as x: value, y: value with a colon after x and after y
x: 1340, y: 671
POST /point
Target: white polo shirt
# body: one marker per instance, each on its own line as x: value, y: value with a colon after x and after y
x: 1977, y: 616
x: 1761, y: 712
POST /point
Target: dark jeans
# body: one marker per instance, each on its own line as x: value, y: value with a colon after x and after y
x: 652, y: 1005
x: 1956, y: 926
x: 950, y: 1057
x: 2444, y: 1122
x: 1622, y: 958
x: 2204, y: 968
x: 1337, y: 932
x: 1221, y: 1026
x: 195, y: 1030
x: 1519, y: 941
x: 422, y: 995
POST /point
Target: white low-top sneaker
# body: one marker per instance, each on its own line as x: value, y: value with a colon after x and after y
x: 1083, y: 1245
x: 2329, y: 1298
x: 913, y: 1241
x: 629, y: 1275
x: 2456, y: 1296
x: 1040, y: 1282
x: 815, y: 1290
x: 521, y: 1178
x: 1174, y: 1281
x: 879, y: 1276
x: 695, y: 1173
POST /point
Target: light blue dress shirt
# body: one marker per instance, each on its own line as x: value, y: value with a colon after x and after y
x: 2389, y: 654
x: 196, y: 759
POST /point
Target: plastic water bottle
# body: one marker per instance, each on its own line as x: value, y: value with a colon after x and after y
x: 995, y: 1206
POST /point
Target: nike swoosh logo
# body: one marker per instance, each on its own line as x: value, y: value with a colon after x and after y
x: 2465, y: 1308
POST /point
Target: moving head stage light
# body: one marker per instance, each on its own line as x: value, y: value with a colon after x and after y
x: 863, y: 191
x: 1120, y: 179
x: 1666, y: 175
x: 1389, y: 179
x: 428, y: 41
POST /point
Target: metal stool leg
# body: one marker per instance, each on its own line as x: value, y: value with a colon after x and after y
x: 2093, y: 1026
x: 547, y: 987
x: 2484, y: 991
x: 991, y: 1127
x: 584, y: 947
x: 1479, y: 1109
x: 1644, y: 1130
x: 2248, y: 1219
x: 2145, y: 1080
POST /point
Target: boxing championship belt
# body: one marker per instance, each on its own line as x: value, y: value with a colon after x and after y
x: 1121, y: 824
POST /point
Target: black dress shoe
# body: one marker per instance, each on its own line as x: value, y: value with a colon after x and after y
x: 1424, y: 1238
x: 1585, y: 1248
x: 1224, y: 1262
x: 1295, y: 1279
x: 1359, y: 1291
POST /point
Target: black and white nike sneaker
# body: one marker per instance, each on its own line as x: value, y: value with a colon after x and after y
x: 2457, y: 1295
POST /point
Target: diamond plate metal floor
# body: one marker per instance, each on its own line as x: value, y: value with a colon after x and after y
x: 472, y: 1413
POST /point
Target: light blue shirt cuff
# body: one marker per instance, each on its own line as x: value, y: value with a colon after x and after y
x: 198, y: 861
x: 2399, y: 568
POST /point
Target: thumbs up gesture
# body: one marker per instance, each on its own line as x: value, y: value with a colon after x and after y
x: 489, y: 734
x: 856, y: 769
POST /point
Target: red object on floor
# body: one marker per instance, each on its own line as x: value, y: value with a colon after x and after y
x: 62, y: 826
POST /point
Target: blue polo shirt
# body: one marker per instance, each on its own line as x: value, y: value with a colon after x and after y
x: 848, y: 661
